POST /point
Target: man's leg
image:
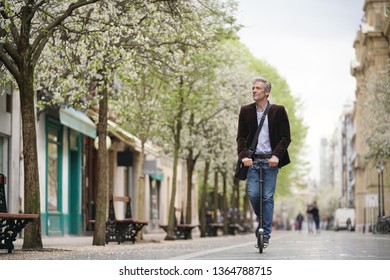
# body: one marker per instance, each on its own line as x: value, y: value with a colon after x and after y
x: 269, y: 175
x: 253, y: 188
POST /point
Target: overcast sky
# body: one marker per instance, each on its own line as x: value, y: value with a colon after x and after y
x: 310, y: 44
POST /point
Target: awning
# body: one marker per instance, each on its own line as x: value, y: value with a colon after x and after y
x: 126, y: 137
x: 151, y: 168
x: 157, y: 176
x: 78, y: 121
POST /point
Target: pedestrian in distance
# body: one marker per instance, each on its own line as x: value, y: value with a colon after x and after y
x: 310, y: 219
x: 209, y: 219
x: 324, y: 222
x: 299, y: 221
x: 316, y: 216
x: 272, y: 144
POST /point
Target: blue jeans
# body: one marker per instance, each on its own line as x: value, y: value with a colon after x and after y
x: 269, y: 185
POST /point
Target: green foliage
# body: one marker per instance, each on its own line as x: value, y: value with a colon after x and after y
x: 293, y: 174
x: 171, y: 67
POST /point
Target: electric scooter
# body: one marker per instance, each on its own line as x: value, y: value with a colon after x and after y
x: 260, y: 231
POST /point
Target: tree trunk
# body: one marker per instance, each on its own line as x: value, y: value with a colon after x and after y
x: 224, y: 205
x: 190, y: 171
x: 235, y: 201
x: 177, y: 143
x: 204, y: 199
x: 20, y: 59
x: 216, y: 204
x: 172, y: 212
x: 141, y: 190
x: 32, y: 232
x: 191, y: 161
x: 99, y: 236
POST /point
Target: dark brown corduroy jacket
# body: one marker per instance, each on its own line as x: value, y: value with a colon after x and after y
x: 279, y: 131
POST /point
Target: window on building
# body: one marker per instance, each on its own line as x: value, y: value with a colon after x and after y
x: 8, y: 103
x: 53, y: 151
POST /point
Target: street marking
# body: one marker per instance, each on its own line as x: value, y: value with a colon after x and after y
x: 207, y: 252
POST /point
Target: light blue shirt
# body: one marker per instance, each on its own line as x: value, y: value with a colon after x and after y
x: 263, y: 143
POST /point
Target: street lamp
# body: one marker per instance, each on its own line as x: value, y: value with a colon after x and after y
x: 379, y: 169
x: 108, y: 142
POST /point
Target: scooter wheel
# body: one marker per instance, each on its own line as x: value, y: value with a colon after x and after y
x: 260, y: 243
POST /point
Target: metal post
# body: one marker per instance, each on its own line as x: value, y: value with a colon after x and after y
x: 379, y: 171
x: 364, y: 218
x: 182, y: 213
x: 3, y: 200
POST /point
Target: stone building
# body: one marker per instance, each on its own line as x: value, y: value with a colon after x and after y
x: 372, y: 52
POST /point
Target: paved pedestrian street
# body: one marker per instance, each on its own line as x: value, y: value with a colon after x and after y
x: 284, y: 245
x: 332, y: 254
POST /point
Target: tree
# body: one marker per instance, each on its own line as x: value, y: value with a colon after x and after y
x: 25, y: 29
x: 204, y: 199
x: 376, y: 110
x: 86, y: 56
x: 238, y: 83
x: 141, y: 95
x: 198, y: 27
x: 105, y: 41
x: 216, y: 112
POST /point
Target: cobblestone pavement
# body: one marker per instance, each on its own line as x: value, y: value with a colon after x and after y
x: 285, y: 245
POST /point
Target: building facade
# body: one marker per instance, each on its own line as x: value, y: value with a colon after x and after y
x: 372, y: 52
x: 67, y: 165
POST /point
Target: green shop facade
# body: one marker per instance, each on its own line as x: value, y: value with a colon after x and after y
x: 67, y: 133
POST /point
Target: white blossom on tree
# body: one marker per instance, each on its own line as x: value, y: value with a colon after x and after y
x: 376, y: 111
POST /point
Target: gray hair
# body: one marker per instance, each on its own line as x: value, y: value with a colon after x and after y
x: 267, y: 85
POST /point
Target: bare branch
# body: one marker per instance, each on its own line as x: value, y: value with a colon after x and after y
x: 9, y: 64
x: 41, y: 40
x: 13, y: 28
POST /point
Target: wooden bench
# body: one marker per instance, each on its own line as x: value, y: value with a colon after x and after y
x: 234, y: 228
x: 10, y: 224
x: 121, y: 230
x: 214, y: 228
x: 182, y: 231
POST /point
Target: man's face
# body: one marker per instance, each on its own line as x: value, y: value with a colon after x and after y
x: 258, y: 91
